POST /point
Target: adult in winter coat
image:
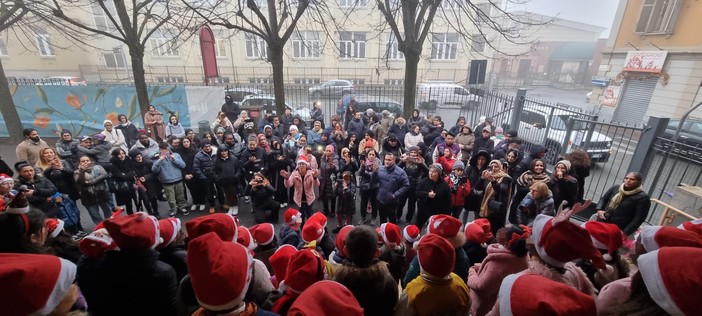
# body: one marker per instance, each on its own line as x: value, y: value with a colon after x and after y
x: 368, y: 188
x: 265, y: 208
x: 94, y: 194
x: 392, y: 145
x: 564, y: 185
x: 537, y: 152
x: 328, y: 167
x: 478, y: 164
x: 497, y: 196
x: 230, y: 108
x: 416, y: 169
x: 460, y: 188
x: 129, y: 130
x: 483, y: 141
x: 536, y: 173
x: 512, y: 163
x: 28, y: 149
x: 149, y: 180
x: 356, y: 126
x: 393, y: 184
x: 507, y: 256
x: 187, y: 151
x: 124, y: 175
x: 400, y: 129
x: 41, y: 189
x: 347, y: 162
x: 449, y: 143
x: 96, y: 148
x: 227, y: 171
x: 538, y: 201
x: 146, y: 146
x: 460, y: 122
x: 114, y: 136
x: 625, y: 205
x: 169, y: 168
x: 465, y: 141
x: 203, y: 175
x: 155, y: 126
x: 58, y: 171
x: 174, y: 127
x: 433, y: 196
x: 580, y: 163
x: 316, y: 113
x: 413, y: 137
x: 416, y: 119
x: 303, y: 180
x: 66, y: 148
x: 253, y: 159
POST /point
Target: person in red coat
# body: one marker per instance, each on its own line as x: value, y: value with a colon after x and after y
x: 460, y: 188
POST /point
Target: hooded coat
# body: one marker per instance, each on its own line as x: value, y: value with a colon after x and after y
x: 484, y: 278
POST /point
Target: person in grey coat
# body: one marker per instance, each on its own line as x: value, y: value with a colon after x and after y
x: 393, y: 184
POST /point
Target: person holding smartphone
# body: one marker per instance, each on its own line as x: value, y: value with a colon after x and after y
x: 265, y: 208
x: 416, y: 169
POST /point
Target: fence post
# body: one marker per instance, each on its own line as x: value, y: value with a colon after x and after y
x: 590, y: 131
x: 656, y: 126
x: 566, y: 140
x: 548, y: 126
x: 518, y: 107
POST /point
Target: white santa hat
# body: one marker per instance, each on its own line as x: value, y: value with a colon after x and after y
x: 672, y: 277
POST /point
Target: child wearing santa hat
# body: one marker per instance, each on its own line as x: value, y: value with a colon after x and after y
x: 367, y: 278
x: 60, y: 242
x: 608, y: 238
x: 437, y: 291
x: 393, y: 250
x: 339, y: 255
x: 171, y: 248
x: 6, y: 184
x: 290, y: 233
x: 22, y: 229
x: 478, y: 236
x: 305, y: 268
x: 507, y: 256
x: 266, y: 243
x: 410, y: 236
x: 326, y: 298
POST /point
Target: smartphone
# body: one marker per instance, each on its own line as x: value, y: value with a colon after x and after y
x: 412, y: 159
x: 259, y: 181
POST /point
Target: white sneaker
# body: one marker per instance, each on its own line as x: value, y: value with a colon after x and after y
x: 193, y: 207
x: 202, y: 207
x: 234, y: 210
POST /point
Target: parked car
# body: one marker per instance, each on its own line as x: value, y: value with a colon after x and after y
x: 332, y: 88
x: 63, y: 81
x: 378, y: 104
x: 238, y: 94
x: 267, y: 103
x: 536, y: 127
x: 690, y: 137
x: 430, y: 95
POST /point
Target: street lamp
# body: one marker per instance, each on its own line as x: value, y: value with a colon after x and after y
x: 117, y: 50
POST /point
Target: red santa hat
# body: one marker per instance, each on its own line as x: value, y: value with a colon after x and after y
x: 34, y: 284
x: 280, y: 260
x: 54, y: 227
x: 117, y: 212
x: 220, y: 272
x: 263, y: 234
x: 320, y: 218
x: 97, y: 243
x: 18, y: 204
x: 326, y: 298
x: 411, y: 233
x: 303, y: 159
x: 655, y: 237
x: 444, y: 225
x: 554, y: 298
x: 605, y: 236
x: 436, y: 255
x: 4, y: 178
x: 693, y: 226
x: 244, y: 238
x: 561, y: 241
x: 479, y: 231
x: 312, y: 231
x: 138, y: 231
x: 169, y: 229
x: 306, y: 267
x: 390, y: 233
x: 340, y: 240
x: 291, y: 216
x: 672, y: 277
x: 223, y: 224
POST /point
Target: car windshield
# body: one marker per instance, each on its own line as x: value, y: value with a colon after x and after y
x: 559, y: 123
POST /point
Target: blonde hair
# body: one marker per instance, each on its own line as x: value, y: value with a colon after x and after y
x: 540, y: 187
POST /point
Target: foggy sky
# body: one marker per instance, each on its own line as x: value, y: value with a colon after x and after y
x: 596, y: 12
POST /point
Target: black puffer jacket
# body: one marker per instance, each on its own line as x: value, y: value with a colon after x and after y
x: 43, y: 188
x: 128, y: 283
x: 203, y: 165
x: 482, y: 143
x: 630, y: 213
x: 415, y: 172
x: 63, y: 180
x: 227, y: 172
x: 441, y: 203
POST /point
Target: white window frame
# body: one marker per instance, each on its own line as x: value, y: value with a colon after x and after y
x: 391, y: 48
x: 352, y: 46
x: 162, y: 42
x: 101, y: 18
x: 256, y: 47
x: 43, y: 41
x: 118, y: 59
x: 3, y: 48
x: 442, y: 48
x: 352, y: 3
x: 482, y: 9
x: 220, y: 48
x: 658, y: 16
x: 478, y: 42
x: 306, y: 45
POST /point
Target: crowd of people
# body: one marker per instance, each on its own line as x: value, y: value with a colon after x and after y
x: 447, y: 222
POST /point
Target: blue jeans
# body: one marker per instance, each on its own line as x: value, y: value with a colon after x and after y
x: 94, y: 211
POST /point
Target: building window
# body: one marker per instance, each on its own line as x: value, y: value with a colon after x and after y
x: 444, y: 46
x: 102, y: 18
x: 114, y: 60
x: 220, y: 48
x: 352, y: 3
x: 305, y: 44
x: 170, y: 79
x: 219, y: 80
x: 394, y: 81
x: 391, y: 50
x: 482, y: 12
x: 658, y: 16
x: 260, y: 80
x: 307, y: 80
x: 163, y: 44
x: 256, y: 47
x: 3, y: 47
x: 43, y: 40
x: 478, y: 43
x: 356, y: 81
x: 352, y: 45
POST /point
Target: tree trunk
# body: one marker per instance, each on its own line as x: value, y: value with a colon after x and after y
x: 9, y: 112
x: 411, y: 64
x: 137, y: 56
x: 276, y: 58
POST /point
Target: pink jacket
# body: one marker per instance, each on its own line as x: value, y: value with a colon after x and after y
x: 295, y: 179
x: 484, y: 279
x: 613, y: 294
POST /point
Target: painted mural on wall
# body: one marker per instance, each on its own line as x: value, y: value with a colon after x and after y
x: 82, y: 109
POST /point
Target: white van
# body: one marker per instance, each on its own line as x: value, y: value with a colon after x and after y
x: 429, y: 95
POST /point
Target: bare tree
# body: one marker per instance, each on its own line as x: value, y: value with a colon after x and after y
x: 273, y: 21
x: 411, y: 21
x: 11, y: 13
x: 131, y: 22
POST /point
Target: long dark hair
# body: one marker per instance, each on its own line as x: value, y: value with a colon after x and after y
x: 16, y: 231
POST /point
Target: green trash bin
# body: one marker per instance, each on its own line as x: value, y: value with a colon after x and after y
x: 203, y: 126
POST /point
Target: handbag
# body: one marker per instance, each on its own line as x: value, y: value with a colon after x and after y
x: 495, y: 206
